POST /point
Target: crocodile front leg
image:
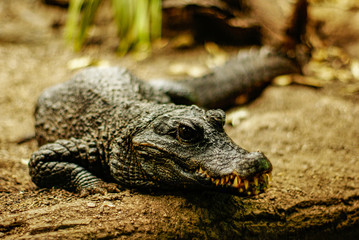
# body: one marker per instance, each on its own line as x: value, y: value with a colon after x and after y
x: 65, y: 164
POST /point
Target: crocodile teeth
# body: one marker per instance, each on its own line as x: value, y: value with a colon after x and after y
x: 201, y: 171
x: 236, y: 182
x: 217, y: 181
x: 269, y: 176
x: 246, y: 184
x: 266, y: 179
x: 255, y: 180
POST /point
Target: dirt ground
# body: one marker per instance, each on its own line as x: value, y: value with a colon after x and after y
x: 311, y: 136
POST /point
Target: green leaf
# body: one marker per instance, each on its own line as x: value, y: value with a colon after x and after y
x: 138, y: 22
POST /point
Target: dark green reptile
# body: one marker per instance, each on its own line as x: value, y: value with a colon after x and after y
x: 106, y: 127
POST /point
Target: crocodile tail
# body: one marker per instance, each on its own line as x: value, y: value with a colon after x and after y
x: 246, y: 73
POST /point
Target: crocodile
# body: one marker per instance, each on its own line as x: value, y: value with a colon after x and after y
x: 105, y: 129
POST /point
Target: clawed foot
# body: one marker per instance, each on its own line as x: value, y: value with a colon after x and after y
x: 101, y: 188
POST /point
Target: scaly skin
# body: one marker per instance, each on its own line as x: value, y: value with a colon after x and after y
x: 106, y: 126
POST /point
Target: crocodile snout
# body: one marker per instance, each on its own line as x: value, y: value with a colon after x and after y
x: 254, y: 163
x: 244, y: 173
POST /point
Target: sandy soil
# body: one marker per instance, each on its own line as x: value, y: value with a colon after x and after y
x: 310, y: 134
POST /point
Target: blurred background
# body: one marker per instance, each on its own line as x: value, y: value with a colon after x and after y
x: 307, y: 124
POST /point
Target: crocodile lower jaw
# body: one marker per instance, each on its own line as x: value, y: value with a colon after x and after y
x: 245, y: 186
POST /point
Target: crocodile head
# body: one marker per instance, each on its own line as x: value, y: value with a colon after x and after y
x: 189, y: 148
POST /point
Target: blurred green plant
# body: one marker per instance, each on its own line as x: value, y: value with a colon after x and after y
x: 138, y: 22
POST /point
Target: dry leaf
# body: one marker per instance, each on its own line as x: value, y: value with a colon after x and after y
x: 283, y: 80
x: 234, y: 118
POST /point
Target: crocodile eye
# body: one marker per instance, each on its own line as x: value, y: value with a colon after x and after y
x: 187, y: 134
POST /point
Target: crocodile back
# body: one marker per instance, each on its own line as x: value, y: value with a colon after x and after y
x: 95, y: 102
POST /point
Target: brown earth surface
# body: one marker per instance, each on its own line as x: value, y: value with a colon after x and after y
x: 310, y: 134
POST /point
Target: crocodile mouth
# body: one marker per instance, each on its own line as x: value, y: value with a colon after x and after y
x: 243, y: 186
